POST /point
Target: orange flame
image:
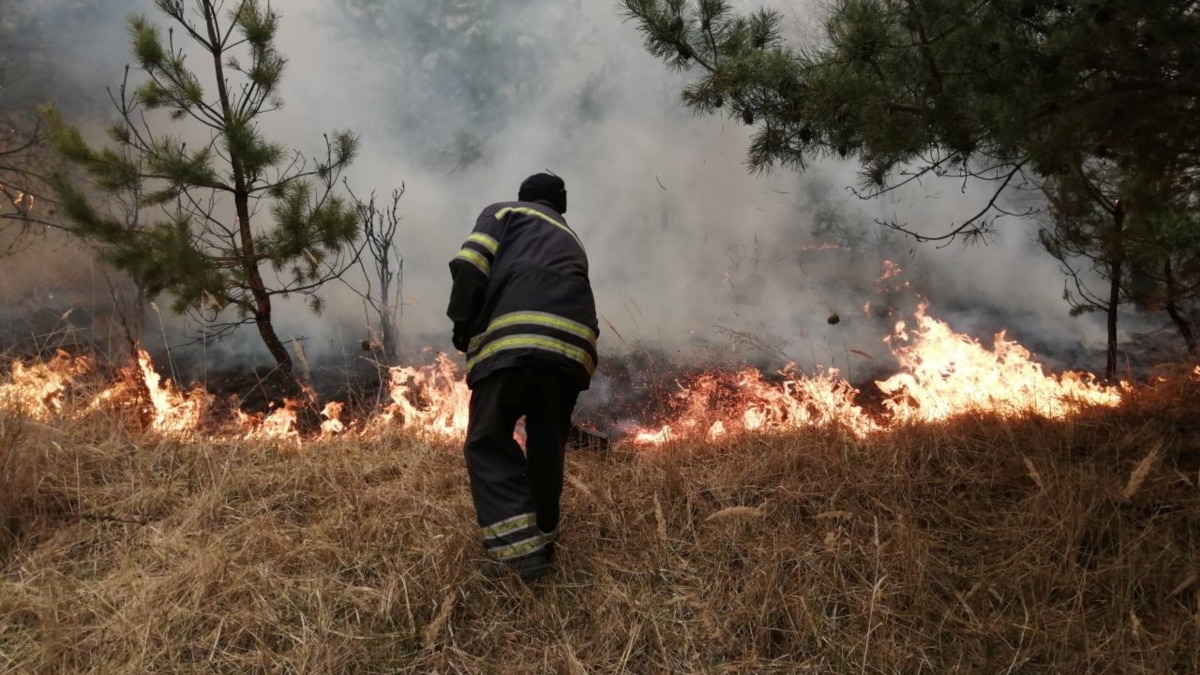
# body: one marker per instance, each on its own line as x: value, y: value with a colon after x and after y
x: 332, y: 424
x: 23, y: 201
x: 717, y: 404
x: 890, y: 270
x: 279, y: 424
x: 432, y: 398
x: 809, y: 248
x: 942, y: 373
x: 947, y: 373
x: 40, y: 387
x: 174, y: 412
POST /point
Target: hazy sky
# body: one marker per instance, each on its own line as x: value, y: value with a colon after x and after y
x: 682, y: 239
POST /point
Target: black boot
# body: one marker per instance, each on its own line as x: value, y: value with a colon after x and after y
x: 535, y: 564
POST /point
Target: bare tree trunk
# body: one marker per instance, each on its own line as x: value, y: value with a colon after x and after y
x: 1172, y: 307
x: 258, y: 289
x: 137, y: 312
x: 379, y: 232
x: 391, y: 346
x: 1116, y: 256
x: 387, y: 324
x: 241, y: 200
x: 1114, y: 299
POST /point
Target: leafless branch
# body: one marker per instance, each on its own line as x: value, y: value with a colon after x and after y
x: 974, y: 226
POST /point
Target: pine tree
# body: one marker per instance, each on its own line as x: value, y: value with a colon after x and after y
x: 1080, y: 99
x: 1137, y: 232
x: 210, y: 188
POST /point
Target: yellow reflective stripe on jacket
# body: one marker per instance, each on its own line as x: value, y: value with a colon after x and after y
x: 509, y: 525
x: 475, y: 258
x: 538, y: 214
x: 485, y: 241
x: 538, y: 319
x: 543, y: 319
x: 535, y: 342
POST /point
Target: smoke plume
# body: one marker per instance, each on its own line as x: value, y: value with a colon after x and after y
x: 460, y: 101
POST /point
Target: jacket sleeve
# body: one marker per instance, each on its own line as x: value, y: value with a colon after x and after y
x: 470, y: 272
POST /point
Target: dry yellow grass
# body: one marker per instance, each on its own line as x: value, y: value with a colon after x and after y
x: 18, y: 470
x: 976, y: 546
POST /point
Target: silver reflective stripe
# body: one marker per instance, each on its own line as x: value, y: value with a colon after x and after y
x: 509, y: 525
x: 523, y: 547
x: 538, y: 214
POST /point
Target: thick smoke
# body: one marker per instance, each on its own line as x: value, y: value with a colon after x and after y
x: 687, y: 247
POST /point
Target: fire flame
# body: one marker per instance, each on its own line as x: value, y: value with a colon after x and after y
x: 332, y: 424
x: 810, y: 248
x: 21, y: 200
x: 432, y: 399
x: 947, y: 373
x: 39, y: 388
x: 715, y: 405
x: 174, y: 412
x: 942, y: 374
x: 280, y: 423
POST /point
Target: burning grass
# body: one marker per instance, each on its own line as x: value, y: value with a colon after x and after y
x: 942, y: 374
x: 973, y: 544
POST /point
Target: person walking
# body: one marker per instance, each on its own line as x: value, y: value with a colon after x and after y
x: 524, y: 314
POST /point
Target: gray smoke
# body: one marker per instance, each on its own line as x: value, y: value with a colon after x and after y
x: 686, y: 247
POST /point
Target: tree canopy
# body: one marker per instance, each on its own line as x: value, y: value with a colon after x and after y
x: 1091, y: 101
x: 199, y: 231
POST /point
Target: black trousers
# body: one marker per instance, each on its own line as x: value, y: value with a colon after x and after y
x: 517, y: 494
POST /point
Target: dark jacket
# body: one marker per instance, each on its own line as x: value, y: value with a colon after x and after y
x: 521, y: 294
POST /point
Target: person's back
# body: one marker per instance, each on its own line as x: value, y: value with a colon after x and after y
x: 526, y: 297
x: 524, y: 313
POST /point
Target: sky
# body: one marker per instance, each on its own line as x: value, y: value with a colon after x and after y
x: 685, y: 244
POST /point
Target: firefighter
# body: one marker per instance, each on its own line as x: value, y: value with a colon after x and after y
x: 523, y: 312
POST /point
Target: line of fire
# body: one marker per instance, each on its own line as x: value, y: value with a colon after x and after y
x: 942, y: 374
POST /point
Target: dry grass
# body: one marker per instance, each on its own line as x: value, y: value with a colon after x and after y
x: 18, y: 475
x: 977, y: 546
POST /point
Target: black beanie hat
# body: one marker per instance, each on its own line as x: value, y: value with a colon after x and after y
x: 547, y: 187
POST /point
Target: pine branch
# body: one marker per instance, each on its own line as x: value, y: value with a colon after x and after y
x: 974, y: 226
